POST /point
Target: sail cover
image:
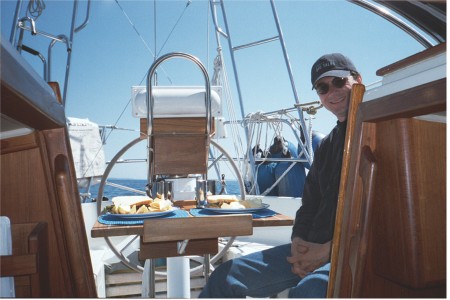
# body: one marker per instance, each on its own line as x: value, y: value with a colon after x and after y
x: 87, y: 148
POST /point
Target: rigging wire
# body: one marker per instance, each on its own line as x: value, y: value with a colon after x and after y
x: 146, y: 46
x: 220, y: 77
x: 142, y: 39
x: 113, y: 127
x: 173, y: 28
x: 39, y: 6
x: 123, y: 111
x: 135, y: 29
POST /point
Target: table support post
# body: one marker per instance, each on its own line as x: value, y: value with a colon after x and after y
x: 178, y: 277
x: 206, y: 266
x: 150, y: 274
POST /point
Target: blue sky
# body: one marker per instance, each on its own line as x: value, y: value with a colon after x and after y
x: 109, y: 57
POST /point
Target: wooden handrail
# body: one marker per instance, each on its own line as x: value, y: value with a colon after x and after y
x: 355, y: 100
x: 81, y: 277
x: 360, y: 227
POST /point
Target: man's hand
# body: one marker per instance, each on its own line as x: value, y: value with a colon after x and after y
x: 306, y: 256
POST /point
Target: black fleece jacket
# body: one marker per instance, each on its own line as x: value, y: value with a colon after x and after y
x: 314, y: 221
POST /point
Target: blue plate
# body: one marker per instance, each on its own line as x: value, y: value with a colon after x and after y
x: 155, y: 214
x: 237, y: 211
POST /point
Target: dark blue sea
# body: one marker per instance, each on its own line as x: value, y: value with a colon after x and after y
x: 232, y: 188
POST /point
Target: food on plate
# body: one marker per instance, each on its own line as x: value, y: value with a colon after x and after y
x: 160, y: 205
x: 123, y: 209
x: 143, y: 210
x: 219, y: 200
x: 232, y: 202
x: 252, y: 202
x: 232, y: 205
x: 138, y: 205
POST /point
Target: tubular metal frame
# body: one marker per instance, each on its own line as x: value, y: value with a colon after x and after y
x: 18, y: 24
x: 227, y: 35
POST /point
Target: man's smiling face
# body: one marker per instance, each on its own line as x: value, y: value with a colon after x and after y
x: 336, y: 99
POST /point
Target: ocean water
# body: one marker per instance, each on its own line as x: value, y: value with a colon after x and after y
x: 232, y: 188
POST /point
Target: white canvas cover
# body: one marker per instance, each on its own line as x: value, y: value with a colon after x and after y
x: 87, y: 148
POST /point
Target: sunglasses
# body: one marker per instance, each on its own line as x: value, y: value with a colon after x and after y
x: 323, y: 88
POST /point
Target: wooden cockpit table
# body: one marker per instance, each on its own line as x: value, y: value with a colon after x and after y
x: 178, y: 237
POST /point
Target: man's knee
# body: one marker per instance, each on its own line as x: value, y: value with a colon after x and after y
x: 314, y: 285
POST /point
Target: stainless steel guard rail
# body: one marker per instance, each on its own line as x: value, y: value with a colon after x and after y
x: 151, y: 102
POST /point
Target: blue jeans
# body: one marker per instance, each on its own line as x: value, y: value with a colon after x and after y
x: 264, y: 274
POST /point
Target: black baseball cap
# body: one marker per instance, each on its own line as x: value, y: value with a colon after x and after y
x: 334, y: 64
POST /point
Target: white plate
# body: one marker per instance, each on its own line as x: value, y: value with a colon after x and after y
x: 237, y: 211
x: 143, y: 216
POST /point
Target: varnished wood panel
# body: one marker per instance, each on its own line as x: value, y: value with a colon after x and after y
x: 410, y: 216
x: 17, y: 265
x: 25, y: 196
x: 406, y: 248
x: 424, y: 99
x: 407, y: 238
x: 179, y: 125
x: 170, y: 249
x: 181, y: 154
x: 29, y: 260
x: 28, y: 195
x: 376, y: 286
x: 276, y: 220
x: 101, y: 230
x: 177, y: 229
x: 20, y: 143
x: 18, y: 108
x: 176, y: 125
x: 180, y: 145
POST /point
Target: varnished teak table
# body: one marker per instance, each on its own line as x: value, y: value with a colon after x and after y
x: 172, y: 237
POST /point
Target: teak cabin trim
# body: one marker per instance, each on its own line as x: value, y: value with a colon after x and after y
x: 38, y: 186
x: 405, y: 251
